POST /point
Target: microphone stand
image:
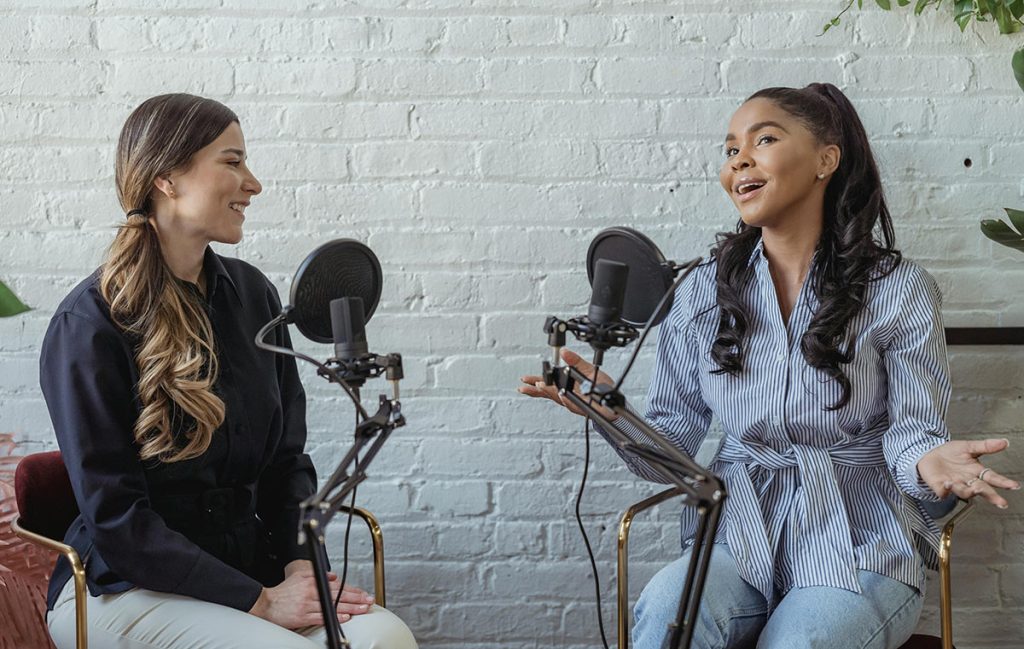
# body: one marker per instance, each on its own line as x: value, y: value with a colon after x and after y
x: 700, y: 488
x: 318, y: 510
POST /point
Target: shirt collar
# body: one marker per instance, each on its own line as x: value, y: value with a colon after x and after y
x: 758, y: 251
x: 215, y: 271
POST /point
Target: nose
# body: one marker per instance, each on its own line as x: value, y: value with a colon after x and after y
x: 251, y: 185
x: 741, y: 160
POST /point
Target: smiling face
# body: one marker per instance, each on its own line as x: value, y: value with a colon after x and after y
x: 206, y: 201
x: 772, y: 165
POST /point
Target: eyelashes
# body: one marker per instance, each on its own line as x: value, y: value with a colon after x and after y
x: 763, y: 139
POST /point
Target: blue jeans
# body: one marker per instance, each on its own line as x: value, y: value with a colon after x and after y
x: 733, y: 613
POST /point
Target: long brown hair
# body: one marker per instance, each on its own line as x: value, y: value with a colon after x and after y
x: 857, y: 243
x: 173, y: 337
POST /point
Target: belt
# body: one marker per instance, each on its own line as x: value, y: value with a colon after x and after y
x: 754, y: 540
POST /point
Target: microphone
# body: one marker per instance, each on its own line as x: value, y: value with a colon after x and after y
x: 609, y: 292
x: 334, y: 294
x: 650, y: 274
x: 633, y: 286
x: 348, y: 328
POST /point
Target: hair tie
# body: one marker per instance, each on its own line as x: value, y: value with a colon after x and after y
x: 134, y: 212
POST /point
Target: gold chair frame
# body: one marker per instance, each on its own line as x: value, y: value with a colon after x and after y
x: 78, y: 569
x: 78, y: 574
x: 377, y: 536
x: 622, y: 599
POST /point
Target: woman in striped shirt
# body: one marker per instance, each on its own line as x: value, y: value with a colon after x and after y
x: 821, y: 352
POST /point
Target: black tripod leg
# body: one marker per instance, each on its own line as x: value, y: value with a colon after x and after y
x: 318, y: 553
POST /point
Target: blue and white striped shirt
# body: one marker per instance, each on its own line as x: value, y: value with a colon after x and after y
x: 814, y: 495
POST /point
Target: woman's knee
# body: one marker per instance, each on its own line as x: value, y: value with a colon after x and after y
x: 379, y: 629
x: 731, y: 610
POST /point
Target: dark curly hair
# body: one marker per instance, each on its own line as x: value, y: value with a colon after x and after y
x: 850, y: 252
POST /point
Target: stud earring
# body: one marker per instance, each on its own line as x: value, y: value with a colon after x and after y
x: 821, y: 176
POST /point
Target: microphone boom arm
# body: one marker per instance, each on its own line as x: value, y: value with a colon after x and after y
x: 318, y: 510
x: 699, y: 487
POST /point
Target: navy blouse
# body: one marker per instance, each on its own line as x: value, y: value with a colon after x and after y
x: 218, y: 527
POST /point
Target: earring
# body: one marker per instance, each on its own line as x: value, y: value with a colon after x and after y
x: 820, y: 177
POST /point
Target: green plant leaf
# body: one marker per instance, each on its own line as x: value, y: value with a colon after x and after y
x: 1017, y: 8
x: 963, y: 11
x: 884, y: 4
x: 1018, y: 67
x: 903, y: 3
x: 9, y: 302
x: 1016, y: 218
x: 1002, y: 234
x: 1007, y: 23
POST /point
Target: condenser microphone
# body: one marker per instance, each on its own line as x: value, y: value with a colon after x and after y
x: 608, y: 292
x: 348, y: 328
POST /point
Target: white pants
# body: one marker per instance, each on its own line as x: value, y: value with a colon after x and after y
x: 145, y: 619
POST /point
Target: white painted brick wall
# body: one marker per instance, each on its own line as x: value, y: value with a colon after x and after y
x: 477, y: 145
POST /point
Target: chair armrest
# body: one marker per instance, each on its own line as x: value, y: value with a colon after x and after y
x: 377, y: 536
x: 625, y: 522
x: 78, y: 574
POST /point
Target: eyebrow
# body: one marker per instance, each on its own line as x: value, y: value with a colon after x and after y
x: 758, y: 127
x: 237, y: 152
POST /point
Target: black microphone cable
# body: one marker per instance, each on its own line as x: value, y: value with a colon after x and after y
x: 322, y: 367
x: 579, y: 517
x: 348, y: 530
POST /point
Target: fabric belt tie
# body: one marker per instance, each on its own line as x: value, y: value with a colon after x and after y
x: 810, y: 495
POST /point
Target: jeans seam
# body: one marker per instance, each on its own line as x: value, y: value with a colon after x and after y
x: 899, y: 611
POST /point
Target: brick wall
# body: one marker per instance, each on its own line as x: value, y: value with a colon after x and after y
x: 477, y: 145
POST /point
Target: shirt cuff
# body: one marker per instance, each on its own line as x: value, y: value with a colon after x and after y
x: 908, y: 477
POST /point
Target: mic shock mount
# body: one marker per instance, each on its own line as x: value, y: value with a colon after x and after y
x: 599, y: 336
x: 355, y: 371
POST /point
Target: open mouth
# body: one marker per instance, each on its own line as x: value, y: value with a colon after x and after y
x: 238, y: 207
x: 748, y: 190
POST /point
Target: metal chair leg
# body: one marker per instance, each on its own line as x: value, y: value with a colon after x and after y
x: 945, y: 590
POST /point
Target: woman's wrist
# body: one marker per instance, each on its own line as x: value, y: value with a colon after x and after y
x: 262, y: 605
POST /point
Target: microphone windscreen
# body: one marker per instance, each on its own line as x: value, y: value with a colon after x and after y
x: 339, y: 268
x: 348, y: 327
x: 608, y: 291
x: 650, y: 276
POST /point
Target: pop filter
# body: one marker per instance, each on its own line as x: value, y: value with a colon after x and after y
x: 650, y: 275
x: 337, y: 269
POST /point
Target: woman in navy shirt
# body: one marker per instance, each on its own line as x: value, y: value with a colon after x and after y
x: 184, y: 442
x: 822, y: 353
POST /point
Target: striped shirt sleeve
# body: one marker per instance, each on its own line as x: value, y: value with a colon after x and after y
x: 675, y: 406
x: 918, y: 370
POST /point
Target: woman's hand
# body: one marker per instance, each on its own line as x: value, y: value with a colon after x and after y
x: 535, y: 387
x: 294, y: 602
x: 954, y: 467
